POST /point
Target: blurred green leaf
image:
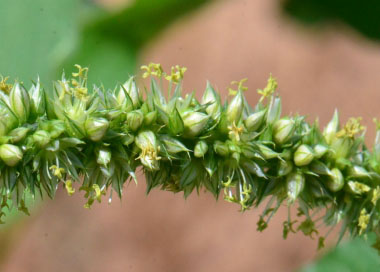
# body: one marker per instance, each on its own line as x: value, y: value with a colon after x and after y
x: 352, y: 256
x: 35, y: 35
x: 363, y: 16
x: 109, y: 45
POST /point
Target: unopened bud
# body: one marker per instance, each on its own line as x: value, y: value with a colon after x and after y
x: 235, y: 108
x: 172, y: 145
x: 18, y: 134
x: 194, y: 122
x: 303, y: 155
x: 135, y: 119
x: 96, y: 128
x: 332, y: 128
x: 37, y: 95
x: 320, y: 150
x: 41, y: 138
x: 358, y: 172
x: 341, y: 147
x: 20, y: 102
x: 254, y: 121
x: 128, y: 139
x: 133, y: 91
x: 212, y: 98
x: 295, y: 184
x: 200, y: 149
x: 103, y: 156
x: 284, y: 168
x: 283, y: 130
x: 336, y: 180
x: 150, y: 118
x: 10, y: 154
x: 221, y: 148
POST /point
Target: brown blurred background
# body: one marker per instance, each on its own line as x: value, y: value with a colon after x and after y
x: 317, y: 72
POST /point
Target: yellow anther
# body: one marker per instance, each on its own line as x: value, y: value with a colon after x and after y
x: 363, y: 220
x: 153, y: 69
x: 4, y: 86
x: 351, y: 128
x: 240, y: 87
x: 57, y: 171
x: 69, y: 187
x: 235, y: 131
x: 82, y: 72
x: 177, y: 74
x: 269, y: 89
x: 375, y: 195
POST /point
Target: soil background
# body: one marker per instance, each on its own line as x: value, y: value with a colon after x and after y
x: 318, y: 70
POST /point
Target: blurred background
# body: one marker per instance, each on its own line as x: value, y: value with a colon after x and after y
x: 324, y: 53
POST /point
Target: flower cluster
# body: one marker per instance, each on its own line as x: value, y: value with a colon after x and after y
x: 250, y: 155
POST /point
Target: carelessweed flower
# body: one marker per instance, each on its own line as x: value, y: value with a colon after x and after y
x: 254, y: 120
x: 283, y: 130
x: 41, y: 138
x: 194, y: 122
x: 200, y: 149
x: 253, y: 155
x: 10, y: 154
x: 147, y: 142
x: 96, y: 128
x: 295, y: 183
x: 303, y: 155
x: 213, y: 99
x: 20, y: 102
x: 336, y: 180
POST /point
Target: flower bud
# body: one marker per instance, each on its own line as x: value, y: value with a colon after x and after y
x: 103, y: 156
x: 295, y: 184
x: 254, y: 121
x: 341, y: 147
x: 128, y: 139
x: 283, y: 130
x: 37, y: 95
x: 212, y: 98
x: 20, y: 102
x: 320, y: 150
x: 200, y: 149
x: 41, y: 138
x: 267, y: 152
x: 284, y: 168
x: 336, y: 181
x: 54, y: 127
x: 135, y: 119
x: 147, y: 142
x: 150, y: 118
x: 133, y: 91
x: 303, y: 155
x: 358, y: 172
x: 235, y: 108
x: 332, y: 128
x: 221, y: 148
x: 172, y: 145
x: 18, y: 134
x: 96, y: 128
x: 194, y: 122
x: 10, y: 154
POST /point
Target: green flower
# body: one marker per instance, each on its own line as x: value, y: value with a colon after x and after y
x: 295, y: 184
x: 283, y: 130
x: 20, y: 102
x: 147, y: 142
x: 96, y: 128
x: 200, y: 149
x: 254, y: 121
x: 303, y: 155
x: 10, y: 154
x: 194, y: 122
x: 336, y: 180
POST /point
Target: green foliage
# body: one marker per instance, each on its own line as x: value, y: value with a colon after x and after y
x: 361, y: 16
x: 351, y: 256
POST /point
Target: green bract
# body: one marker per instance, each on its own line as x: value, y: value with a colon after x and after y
x: 100, y: 138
